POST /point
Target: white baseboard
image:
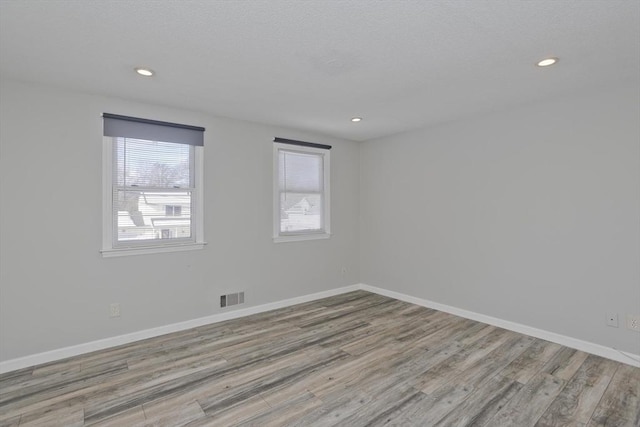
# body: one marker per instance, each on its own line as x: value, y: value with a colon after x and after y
x: 588, y: 347
x: 76, y: 350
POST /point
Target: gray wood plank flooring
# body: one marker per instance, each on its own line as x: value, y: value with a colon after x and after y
x: 357, y: 359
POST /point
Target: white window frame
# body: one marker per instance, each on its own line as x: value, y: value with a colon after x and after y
x: 297, y: 236
x: 155, y: 246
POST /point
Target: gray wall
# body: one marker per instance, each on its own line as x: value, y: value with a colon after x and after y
x: 55, y: 288
x: 530, y: 215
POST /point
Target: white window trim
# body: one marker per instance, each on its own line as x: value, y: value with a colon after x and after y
x: 326, y: 172
x: 107, y: 209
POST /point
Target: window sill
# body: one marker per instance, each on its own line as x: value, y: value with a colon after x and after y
x: 144, y: 250
x: 300, y: 237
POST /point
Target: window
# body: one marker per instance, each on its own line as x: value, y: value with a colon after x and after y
x: 301, y: 190
x: 152, y: 178
x: 173, y: 210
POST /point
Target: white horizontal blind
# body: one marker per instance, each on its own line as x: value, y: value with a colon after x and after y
x: 153, y: 188
x: 301, y: 183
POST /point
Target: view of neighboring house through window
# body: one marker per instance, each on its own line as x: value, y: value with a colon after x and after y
x: 301, y: 191
x: 155, y: 190
x: 153, y: 184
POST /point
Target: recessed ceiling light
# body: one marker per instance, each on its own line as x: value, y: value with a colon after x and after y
x: 546, y: 62
x: 356, y: 119
x: 144, y: 72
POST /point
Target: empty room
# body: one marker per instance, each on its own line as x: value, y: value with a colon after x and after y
x: 320, y: 213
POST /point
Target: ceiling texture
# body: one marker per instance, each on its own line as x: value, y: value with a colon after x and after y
x: 312, y: 65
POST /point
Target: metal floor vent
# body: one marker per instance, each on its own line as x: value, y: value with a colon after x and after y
x: 231, y: 299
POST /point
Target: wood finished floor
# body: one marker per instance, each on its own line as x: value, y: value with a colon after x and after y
x: 357, y: 359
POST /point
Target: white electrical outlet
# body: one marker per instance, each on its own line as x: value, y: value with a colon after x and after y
x: 612, y: 320
x: 114, y: 310
x: 633, y: 322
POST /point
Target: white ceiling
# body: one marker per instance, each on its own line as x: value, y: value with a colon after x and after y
x: 313, y: 65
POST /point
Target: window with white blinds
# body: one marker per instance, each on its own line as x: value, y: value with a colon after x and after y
x: 301, y: 192
x: 152, y: 178
x: 153, y: 187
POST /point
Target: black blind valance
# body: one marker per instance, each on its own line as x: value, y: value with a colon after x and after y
x: 301, y: 143
x: 152, y: 130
